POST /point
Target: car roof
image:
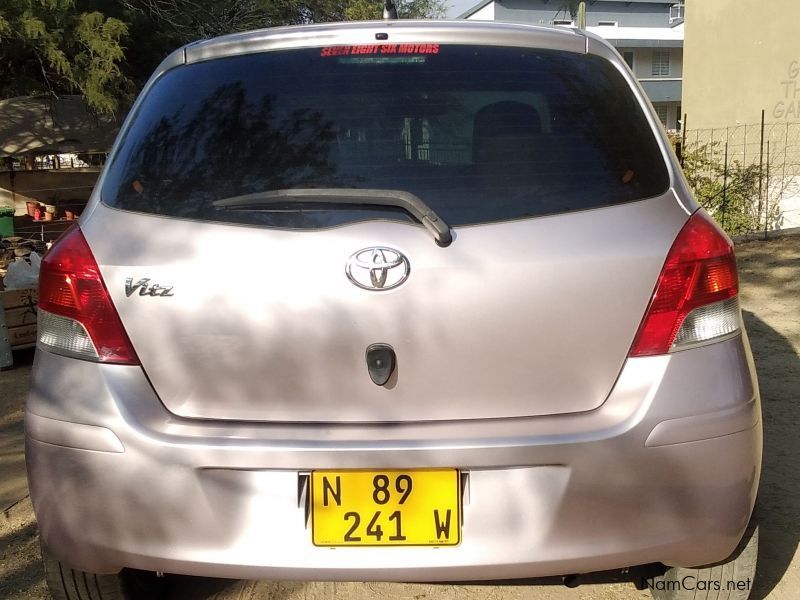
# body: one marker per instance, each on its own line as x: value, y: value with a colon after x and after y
x: 489, y: 33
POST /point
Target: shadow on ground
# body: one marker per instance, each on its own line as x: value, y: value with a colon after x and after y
x: 778, y: 369
x: 22, y: 574
x: 13, y: 388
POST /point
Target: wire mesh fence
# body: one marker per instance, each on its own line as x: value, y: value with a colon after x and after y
x: 746, y: 175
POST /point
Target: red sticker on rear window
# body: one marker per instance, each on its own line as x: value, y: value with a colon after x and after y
x: 380, y: 49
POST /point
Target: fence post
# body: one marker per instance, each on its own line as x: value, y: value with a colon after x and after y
x: 711, y: 150
x: 744, y: 146
x: 725, y: 186
x: 761, y: 168
x: 683, y: 142
x: 766, y: 199
x: 785, y: 158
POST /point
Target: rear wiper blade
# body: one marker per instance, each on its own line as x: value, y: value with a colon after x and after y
x: 412, y: 204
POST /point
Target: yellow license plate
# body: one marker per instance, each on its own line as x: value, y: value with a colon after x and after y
x: 386, y: 508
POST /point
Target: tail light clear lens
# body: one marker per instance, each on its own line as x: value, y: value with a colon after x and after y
x: 76, y: 315
x: 695, y: 299
x: 708, y: 322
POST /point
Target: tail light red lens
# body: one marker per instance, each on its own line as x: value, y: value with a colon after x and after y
x: 700, y: 270
x: 70, y: 286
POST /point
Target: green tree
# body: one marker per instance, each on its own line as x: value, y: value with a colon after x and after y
x: 106, y: 50
x: 365, y: 10
x: 159, y: 26
x: 189, y: 20
x: 58, y: 47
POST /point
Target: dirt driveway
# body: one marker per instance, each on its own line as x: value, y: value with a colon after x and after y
x: 770, y: 273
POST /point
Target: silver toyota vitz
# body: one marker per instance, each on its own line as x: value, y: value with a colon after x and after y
x: 402, y: 301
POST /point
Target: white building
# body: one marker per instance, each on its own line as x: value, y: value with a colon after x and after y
x: 648, y: 35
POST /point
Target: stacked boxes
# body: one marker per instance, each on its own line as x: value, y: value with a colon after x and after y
x: 17, y: 322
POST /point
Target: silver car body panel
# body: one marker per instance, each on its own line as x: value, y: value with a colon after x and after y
x: 275, y: 331
x: 546, y: 495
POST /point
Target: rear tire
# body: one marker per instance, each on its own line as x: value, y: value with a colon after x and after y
x: 681, y: 583
x: 66, y: 583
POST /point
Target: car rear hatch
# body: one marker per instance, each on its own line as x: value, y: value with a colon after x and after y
x: 251, y: 283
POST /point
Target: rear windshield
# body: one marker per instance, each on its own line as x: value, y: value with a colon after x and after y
x: 480, y: 134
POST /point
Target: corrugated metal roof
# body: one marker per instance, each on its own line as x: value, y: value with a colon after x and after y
x: 42, y: 124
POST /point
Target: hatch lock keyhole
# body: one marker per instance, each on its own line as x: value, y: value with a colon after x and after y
x: 381, y: 362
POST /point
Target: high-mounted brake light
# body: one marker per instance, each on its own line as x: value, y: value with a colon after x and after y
x: 695, y: 299
x: 76, y: 315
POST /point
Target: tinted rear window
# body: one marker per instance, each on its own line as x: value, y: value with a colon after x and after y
x: 480, y: 134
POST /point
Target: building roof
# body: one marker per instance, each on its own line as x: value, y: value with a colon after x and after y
x: 43, y: 125
x: 467, y: 13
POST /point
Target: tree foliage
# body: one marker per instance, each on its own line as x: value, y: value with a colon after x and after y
x: 364, y: 10
x: 52, y: 46
x: 105, y: 50
x: 189, y: 20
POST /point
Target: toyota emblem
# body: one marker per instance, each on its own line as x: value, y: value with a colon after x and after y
x: 377, y: 268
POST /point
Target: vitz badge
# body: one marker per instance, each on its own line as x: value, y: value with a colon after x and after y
x: 146, y: 288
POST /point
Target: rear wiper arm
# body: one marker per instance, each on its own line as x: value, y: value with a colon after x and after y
x: 412, y: 204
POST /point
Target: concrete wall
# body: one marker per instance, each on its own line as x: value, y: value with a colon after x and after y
x: 741, y: 57
x: 651, y: 14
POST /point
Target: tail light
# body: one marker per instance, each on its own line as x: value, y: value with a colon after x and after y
x: 695, y: 299
x: 76, y: 315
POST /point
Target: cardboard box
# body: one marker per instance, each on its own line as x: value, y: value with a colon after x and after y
x: 19, y: 307
x: 24, y: 315
x: 17, y: 298
x: 25, y: 334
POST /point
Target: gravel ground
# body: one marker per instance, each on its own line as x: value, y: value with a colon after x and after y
x: 770, y: 273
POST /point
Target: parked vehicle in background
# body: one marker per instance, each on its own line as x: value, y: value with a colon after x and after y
x: 392, y: 301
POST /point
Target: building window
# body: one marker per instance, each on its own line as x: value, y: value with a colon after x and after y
x: 607, y: 23
x: 676, y: 11
x: 628, y: 57
x: 563, y: 22
x: 660, y: 63
x: 661, y: 111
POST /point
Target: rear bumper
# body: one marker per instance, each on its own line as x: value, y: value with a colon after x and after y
x: 666, y: 470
